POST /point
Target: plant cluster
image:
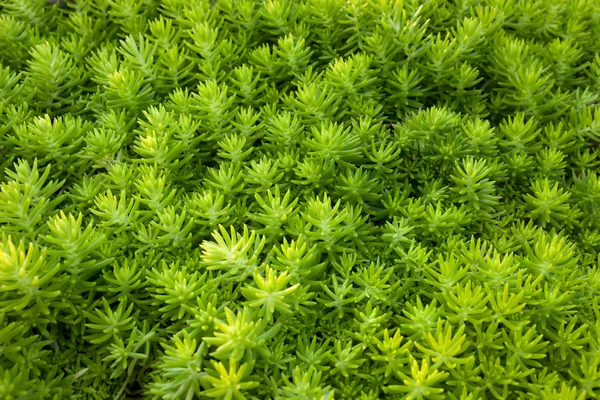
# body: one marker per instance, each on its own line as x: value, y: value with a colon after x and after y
x: 299, y: 199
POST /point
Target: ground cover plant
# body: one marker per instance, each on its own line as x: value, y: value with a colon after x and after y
x: 299, y: 199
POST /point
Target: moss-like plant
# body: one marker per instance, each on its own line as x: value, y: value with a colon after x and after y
x: 299, y: 199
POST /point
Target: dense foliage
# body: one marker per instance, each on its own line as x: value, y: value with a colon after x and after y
x: 299, y: 199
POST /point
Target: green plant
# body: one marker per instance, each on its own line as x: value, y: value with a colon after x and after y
x: 311, y: 199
